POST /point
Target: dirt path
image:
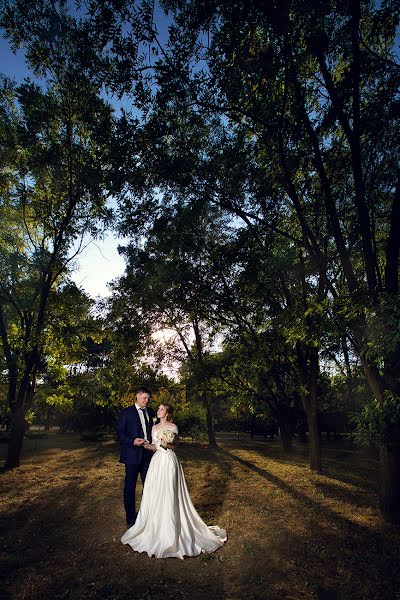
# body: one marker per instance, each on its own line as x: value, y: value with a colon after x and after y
x: 291, y: 534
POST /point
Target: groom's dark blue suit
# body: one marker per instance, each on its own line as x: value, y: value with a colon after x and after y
x: 135, y: 458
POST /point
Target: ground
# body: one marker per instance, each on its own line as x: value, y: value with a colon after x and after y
x: 292, y: 534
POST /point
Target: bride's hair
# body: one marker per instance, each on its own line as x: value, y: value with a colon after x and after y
x: 170, y: 411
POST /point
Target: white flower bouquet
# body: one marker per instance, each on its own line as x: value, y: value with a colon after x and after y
x: 166, y: 436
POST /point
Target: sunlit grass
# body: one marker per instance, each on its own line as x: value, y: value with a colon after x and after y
x: 292, y: 534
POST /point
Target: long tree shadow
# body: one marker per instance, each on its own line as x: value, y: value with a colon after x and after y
x: 302, y: 499
x: 329, y: 537
x: 377, y: 543
x: 210, y: 496
x: 337, y: 464
x: 65, y: 542
x: 319, y: 563
x: 364, y: 478
x: 37, y: 530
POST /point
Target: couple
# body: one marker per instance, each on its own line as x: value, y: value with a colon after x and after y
x: 167, y: 524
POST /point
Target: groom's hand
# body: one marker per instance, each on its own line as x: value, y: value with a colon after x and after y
x: 138, y: 442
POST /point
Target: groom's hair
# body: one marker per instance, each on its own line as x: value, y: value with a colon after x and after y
x: 143, y: 389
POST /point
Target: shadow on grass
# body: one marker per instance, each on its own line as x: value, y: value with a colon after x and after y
x: 363, y: 557
x: 359, y: 498
x: 337, y: 463
x: 302, y: 499
x: 318, y: 564
x: 52, y: 441
x: 64, y: 543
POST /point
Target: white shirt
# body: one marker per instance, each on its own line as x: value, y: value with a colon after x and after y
x: 142, y: 420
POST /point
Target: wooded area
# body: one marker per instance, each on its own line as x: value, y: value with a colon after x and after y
x: 256, y: 176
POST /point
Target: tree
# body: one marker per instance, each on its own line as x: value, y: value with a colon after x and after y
x: 170, y: 286
x: 55, y: 181
x: 297, y: 85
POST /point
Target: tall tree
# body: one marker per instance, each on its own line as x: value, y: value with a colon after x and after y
x: 299, y: 84
x: 55, y: 180
x: 170, y: 285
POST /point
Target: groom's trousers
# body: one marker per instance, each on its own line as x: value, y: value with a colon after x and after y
x: 131, y: 475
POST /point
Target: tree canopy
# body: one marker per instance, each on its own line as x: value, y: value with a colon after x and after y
x: 256, y: 174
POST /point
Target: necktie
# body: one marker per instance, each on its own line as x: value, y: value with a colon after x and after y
x: 143, y: 421
x: 145, y: 415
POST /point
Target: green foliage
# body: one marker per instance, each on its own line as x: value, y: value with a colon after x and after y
x: 383, y: 331
x: 55, y: 178
x: 376, y: 419
x: 193, y: 424
x: 271, y: 117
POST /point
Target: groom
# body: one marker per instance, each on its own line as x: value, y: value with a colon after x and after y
x: 134, y: 428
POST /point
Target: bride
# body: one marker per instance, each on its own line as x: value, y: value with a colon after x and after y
x: 168, y: 524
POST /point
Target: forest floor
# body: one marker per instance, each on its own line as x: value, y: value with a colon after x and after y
x: 292, y: 534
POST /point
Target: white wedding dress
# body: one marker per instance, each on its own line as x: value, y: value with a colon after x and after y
x: 167, y: 524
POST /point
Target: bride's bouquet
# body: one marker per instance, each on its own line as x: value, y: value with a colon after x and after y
x: 166, y: 436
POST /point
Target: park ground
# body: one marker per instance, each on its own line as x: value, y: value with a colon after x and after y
x: 292, y: 534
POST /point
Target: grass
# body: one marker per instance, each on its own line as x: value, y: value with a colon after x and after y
x: 292, y: 534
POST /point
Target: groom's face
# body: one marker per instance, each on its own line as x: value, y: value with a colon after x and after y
x: 142, y: 399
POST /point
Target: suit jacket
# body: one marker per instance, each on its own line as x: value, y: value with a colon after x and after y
x: 129, y: 428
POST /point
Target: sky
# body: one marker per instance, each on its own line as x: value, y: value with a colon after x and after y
x: 98, y: 264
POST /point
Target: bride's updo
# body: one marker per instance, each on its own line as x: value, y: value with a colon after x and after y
x: 170, y: 411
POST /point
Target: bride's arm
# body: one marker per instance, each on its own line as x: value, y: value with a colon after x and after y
x: 148, y: 446
x: 175, y: 443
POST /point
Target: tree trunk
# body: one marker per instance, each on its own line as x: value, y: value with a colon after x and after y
x: 203, y: 370
x: 308, y: 370
x: 19, y: 404
x: 17, y: 434
x: 286, y: 435
x: 284, y: 418
x: 47, y: 420
x: 302, y: 433
x: 314, y: 436
x: 252, y: 425
x: 313, y: 428
x: 210, y: 422
x: 16, y: 424
x: 389, y: 474
x: 389, y: 489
